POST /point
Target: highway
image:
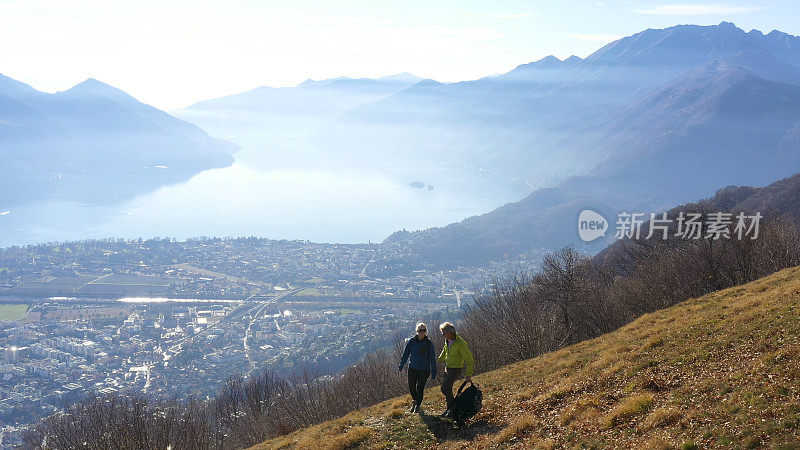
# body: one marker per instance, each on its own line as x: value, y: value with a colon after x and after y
x: 248, y: 305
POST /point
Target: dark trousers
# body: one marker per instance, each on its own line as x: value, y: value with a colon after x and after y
x: 450, y: 377
x: 416, y: 383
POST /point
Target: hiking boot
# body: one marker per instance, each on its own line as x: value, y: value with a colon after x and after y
x: 446, y: 413
x: 413, y: 408
x: 419, y: 410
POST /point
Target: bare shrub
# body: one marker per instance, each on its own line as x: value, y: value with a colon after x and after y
x: 571, y: 298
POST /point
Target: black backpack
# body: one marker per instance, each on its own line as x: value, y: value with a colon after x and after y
x: 466, y: 403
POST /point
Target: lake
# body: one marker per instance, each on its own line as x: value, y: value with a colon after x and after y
x: 314, y: 198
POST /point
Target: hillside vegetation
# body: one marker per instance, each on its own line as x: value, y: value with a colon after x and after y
x: 572, y: 298
x: 722, y: 370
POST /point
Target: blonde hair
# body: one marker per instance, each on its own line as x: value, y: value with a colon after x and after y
x: 421, y: 325
x: 447, y: 327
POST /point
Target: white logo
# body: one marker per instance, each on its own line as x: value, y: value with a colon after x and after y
x: 591, y: 225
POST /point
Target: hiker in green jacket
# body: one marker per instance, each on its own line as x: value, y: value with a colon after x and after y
x: 456, y: 358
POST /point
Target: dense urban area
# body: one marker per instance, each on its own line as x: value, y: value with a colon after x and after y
x: 178, y: 318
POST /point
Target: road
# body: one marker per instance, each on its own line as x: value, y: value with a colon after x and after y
x: 254, y: 317
x: 247, y: 305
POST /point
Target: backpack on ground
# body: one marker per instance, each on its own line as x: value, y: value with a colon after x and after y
x: 466, y: 403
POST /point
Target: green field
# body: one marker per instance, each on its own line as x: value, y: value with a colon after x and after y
x: 308, y: 292
x: 12, y: 311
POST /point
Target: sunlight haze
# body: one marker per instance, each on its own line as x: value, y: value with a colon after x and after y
x: 173, y: 53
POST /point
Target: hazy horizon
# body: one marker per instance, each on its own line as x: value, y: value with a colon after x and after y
x: 173, y: 54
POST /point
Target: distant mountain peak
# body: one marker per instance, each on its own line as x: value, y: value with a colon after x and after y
x: 312, y: 82
x: 728, y: 26
x: 404, y: 77
x: 92, y: 87
x: 92, y: 83
x: 427, y: 82
x: 776, y: 35
x: 547, y: 62
x: 684, y: 44
x: 549, y: 59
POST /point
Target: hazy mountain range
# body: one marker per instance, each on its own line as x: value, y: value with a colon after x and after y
x: 94, y: 142
x: 717, y: 126
x: 548, y: 120
x: 648, y: 121
x: 268, y: 112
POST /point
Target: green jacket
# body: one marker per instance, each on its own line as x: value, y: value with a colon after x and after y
x: 457, y: 356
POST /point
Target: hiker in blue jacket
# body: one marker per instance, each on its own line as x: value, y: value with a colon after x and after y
x: 422, y: 364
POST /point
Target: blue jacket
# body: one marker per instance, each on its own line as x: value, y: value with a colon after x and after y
x: 423, y: 355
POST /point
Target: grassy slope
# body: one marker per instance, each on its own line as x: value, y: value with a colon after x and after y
x: 720, y: 370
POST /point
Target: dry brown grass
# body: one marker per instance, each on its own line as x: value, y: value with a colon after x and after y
x: 401, y: 402
x: 720, y: 371
x: 515, y: 429
x: 544, y: 444
x: 585, y: 407
x: 395, y: 413
x: 657, y: 443
x: 349, y: 439
x: 663, y: 417
x: 630, y: 407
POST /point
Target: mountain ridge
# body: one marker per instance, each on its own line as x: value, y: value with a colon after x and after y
x: 651, y: 120
x: 81, y: 143
x: 494, y: 124
x: 660, y: 177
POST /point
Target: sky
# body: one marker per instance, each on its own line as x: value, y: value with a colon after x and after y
x: 172, y: 53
